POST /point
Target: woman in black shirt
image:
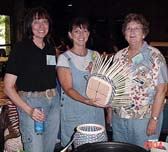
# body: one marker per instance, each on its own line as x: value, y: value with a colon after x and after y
x: 31, y: 68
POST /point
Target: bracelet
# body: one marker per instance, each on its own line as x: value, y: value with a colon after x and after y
x: 154, y: 118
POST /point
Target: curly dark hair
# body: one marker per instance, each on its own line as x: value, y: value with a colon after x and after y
x: 139, y: 18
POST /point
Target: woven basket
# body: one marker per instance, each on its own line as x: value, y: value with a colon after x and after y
x: 109, y: 83
x: 89, y: 133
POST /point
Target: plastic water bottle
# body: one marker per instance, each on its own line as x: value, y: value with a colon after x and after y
x: 39, y: 125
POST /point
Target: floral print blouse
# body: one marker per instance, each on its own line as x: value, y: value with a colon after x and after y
x: 147, y: 70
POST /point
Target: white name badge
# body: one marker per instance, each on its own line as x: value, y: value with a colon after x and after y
x: 51, y: 60
x: 138, y: 58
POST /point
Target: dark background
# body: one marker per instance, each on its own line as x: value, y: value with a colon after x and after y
x: 105, y: 16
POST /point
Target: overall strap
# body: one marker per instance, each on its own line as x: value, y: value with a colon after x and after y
x: 68, y: 58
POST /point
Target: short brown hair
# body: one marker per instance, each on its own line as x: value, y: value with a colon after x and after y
x: 139, y: 18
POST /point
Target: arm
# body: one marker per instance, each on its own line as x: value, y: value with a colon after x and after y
x: 65, y: 79
x: 167, y: 92
x: 157, y: 107
x: 10, y: 91
x: 109, y: 115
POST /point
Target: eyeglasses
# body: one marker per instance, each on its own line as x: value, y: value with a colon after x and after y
x: 136, y: 29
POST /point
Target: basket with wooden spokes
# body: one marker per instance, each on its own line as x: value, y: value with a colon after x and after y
x: 109, y: 82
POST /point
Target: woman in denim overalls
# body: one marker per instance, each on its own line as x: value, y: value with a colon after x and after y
x: 73, y: 70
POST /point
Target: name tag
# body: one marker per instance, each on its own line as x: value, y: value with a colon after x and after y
x: 51, y: 60
x: 137, y: 59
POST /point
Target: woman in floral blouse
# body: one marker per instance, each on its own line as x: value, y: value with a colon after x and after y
x: 141, y: 119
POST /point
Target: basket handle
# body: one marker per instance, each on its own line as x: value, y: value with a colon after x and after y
x: 70, y: 143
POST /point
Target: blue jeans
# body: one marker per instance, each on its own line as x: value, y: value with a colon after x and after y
x: 133, y: 130
x: 45, y: 142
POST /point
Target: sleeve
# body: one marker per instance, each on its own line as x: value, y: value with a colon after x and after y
x: 12, y: 66
x: 163, y: 71
x: 163, y: 74
x: 62, y: 61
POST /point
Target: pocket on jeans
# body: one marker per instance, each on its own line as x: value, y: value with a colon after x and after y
x: 27, y: 138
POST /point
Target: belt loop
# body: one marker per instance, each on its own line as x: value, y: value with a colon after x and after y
x: 46, y: 92
x: 29, y: 94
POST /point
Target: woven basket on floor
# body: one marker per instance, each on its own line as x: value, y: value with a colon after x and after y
x: 89, y: 133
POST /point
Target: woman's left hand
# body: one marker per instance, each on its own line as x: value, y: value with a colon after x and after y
x: 151, y: 128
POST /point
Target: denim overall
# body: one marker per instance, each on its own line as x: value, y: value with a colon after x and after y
x: 74, y: 113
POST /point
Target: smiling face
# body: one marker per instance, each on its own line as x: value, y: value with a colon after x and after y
x: 79, y: 35
x: 40, y: 28
x: 134, y: 33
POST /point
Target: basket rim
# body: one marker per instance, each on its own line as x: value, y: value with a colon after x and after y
x: 102, y: 129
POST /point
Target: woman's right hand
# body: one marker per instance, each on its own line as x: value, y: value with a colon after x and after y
x: 37, y: 115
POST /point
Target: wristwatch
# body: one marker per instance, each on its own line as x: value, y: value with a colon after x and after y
x: 154, y: 118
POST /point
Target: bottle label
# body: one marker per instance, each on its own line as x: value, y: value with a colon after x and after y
x: 39, y: 125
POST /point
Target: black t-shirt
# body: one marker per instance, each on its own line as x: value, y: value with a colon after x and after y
x: 29, y: 64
